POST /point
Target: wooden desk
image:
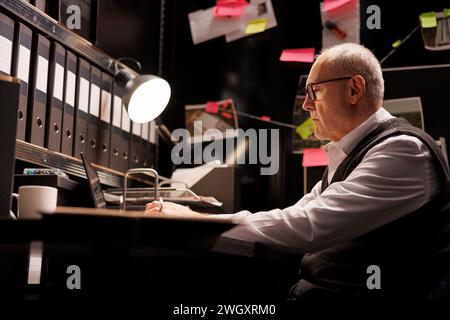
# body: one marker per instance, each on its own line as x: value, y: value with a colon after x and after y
x: 159, y: 258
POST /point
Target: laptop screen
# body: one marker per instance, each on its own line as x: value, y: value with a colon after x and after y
x: 94, y: 184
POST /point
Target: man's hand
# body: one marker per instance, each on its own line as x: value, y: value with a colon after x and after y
x: 169, y: 208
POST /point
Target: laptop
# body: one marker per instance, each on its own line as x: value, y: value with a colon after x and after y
x: 94, y: 184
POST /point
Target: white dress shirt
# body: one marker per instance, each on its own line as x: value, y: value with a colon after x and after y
x: 395, y: 178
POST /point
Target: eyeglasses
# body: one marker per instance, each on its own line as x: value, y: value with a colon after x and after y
x: 310, y: 91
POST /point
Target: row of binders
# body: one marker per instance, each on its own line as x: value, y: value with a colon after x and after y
x: 69, y: 105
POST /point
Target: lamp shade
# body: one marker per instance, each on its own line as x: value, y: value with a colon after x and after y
x: 146, y: 96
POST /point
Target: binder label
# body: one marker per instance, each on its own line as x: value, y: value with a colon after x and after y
x: 153, y: 132
x: 42, y: 70
x: 144, y: 133
x: 23, y: 68
x: 5, y: 54
x: 105, y: 112
x: 70, y: 89
x: 125, y: 120
x: 95, y: 100
x: 116, y: 111
x: 136, y: 129
x: 84, y: 95
x: 58, y: 82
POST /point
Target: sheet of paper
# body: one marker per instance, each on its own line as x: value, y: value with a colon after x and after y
x: 204, y: 26
x: 190, y: 176
x: 258, y: 9
x: 230, y: 8
x: 298, y: 55
x: 256, y: 26
x: 347, y: 20
x: 314, y: 157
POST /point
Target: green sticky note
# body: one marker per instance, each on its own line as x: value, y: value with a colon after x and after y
x: 306, y: 129
x: 397, y: 43
x: 428, y: 19
x: 256, y: 26
x: 446, y: 12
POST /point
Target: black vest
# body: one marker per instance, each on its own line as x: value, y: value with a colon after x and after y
x: 409, y: 251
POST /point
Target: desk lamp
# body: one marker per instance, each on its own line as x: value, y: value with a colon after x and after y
x: 146, y: 96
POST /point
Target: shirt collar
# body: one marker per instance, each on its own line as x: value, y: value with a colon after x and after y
x: 351, y: 139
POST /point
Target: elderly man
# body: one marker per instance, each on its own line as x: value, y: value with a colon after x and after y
x: 376, y: 206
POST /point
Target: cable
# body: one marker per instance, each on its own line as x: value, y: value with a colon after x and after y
x: 401, y: 43
x: 136, y: 62
x: 161, y: 38
x: 251, y: 116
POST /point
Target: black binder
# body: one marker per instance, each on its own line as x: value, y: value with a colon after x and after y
x: 125, y: 138
x: 144, y: 156
x: 9, y: 93
x: 55, y: 98
x: 93, y: 116
x: 21, y: 70
x: 40, y: 4
x: 38, y: 100
x: 82, y: 107
x: 153, y: 144
x: 104, y: 138
x: 6, y: 43
x: 135, y: 159
x: 115, y: 152
x: 70, y: 80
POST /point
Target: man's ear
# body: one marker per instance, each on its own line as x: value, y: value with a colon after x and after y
x: 357, y: 88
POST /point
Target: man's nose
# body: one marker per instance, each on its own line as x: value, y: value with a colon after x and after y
x: 308, y: 104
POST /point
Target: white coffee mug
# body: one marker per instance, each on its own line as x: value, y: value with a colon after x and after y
x: 33, y: 200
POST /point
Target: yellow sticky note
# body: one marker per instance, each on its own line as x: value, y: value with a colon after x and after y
x: 446, y: 12
x: 428, y: 19
x: 397, y: 44
x: 256, y: 26
x: 306, y: 129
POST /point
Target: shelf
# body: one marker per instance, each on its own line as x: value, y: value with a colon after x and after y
x: 43, y: 157
x: 58, y: 32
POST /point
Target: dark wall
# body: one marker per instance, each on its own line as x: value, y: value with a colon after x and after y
x: 249, y: 70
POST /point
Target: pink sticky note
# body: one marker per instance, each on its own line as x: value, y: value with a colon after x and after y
x: 265, y: 118
x: 332, y: 5
x: 212, y: 107
x: 298, y: 55
x: 314, y: 157
x: 226, y: 115
x: 230, y: 8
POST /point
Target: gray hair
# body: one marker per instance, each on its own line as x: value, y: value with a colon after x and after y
x: 353, y: 59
